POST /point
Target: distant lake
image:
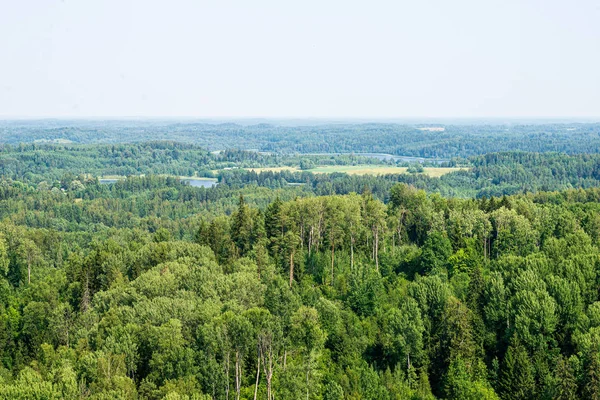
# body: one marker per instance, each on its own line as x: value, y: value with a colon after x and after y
x: 196, y: 182
x: 200, y: 182
x: 107, y: 181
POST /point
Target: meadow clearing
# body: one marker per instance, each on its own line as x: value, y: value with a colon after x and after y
x: 363, y: 170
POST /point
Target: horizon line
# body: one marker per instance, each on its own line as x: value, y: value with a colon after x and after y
x: 288, y: 118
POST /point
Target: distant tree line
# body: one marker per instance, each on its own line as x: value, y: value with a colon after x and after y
x: 455, y: 140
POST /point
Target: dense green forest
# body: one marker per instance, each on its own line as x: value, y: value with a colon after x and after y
x: 496, y: 174
x: 43, y: 162
x: 150, y: 288
x: 482, y: 283
x: 456, y: 140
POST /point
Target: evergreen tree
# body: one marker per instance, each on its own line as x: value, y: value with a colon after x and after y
x: 241, y: 228
x: 517, y: 380
x: 566, y: 382
x: 592, y: 385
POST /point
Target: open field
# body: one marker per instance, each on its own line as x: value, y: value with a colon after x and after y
x: 362, y: 170
x: 378, y: 170
x: 434, y: 172
x: 437, y: 172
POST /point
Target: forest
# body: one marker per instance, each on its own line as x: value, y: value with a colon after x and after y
x: 149, y: 288
x: 281, y: 283
x: 456, y: 139
x: 493, y: 174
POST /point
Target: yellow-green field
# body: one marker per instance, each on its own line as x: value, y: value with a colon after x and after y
x: 437, y: 172
x: 348, y: 169
x: 362, y: 170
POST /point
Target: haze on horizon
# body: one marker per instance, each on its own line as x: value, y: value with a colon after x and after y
x: 317, y: 59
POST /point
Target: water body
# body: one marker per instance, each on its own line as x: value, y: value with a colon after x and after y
x: 196, y: 182
x: 107, y: 181
x: 200, y: 182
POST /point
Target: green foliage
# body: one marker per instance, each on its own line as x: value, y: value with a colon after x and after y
x: 151, y: 289
x: 461, y: 385
x: 415, y: 168
x: 371, y: 138
x: 403, y: 330
x: 517, y: 380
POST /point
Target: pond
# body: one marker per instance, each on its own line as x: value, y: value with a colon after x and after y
x: 107, y: 181
x: 196, y: 182
x: 200, y: 182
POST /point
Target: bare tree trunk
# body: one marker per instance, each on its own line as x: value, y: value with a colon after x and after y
x: 376, y: 248
x: 373, y: 248
x: 267, y: 355
x: 270, y: 375
x: 257, y: 373
x: 320, y: 228
x: 307, y: 370
x: 352, y: 252
x: 484, y: 248
x: 85, y: 298
x: 332, y: 259
x: 238, y: 377
x: 291, y: 268
x: 400, y: 222
x: 227, y: 375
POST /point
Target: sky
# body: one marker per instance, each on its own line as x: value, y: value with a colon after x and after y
x: 300, y: 59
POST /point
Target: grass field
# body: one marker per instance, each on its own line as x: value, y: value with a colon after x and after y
x: 363, y: 170
x: 437, y: 172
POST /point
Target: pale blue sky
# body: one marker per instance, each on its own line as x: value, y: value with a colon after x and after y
x: 374, y: 59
